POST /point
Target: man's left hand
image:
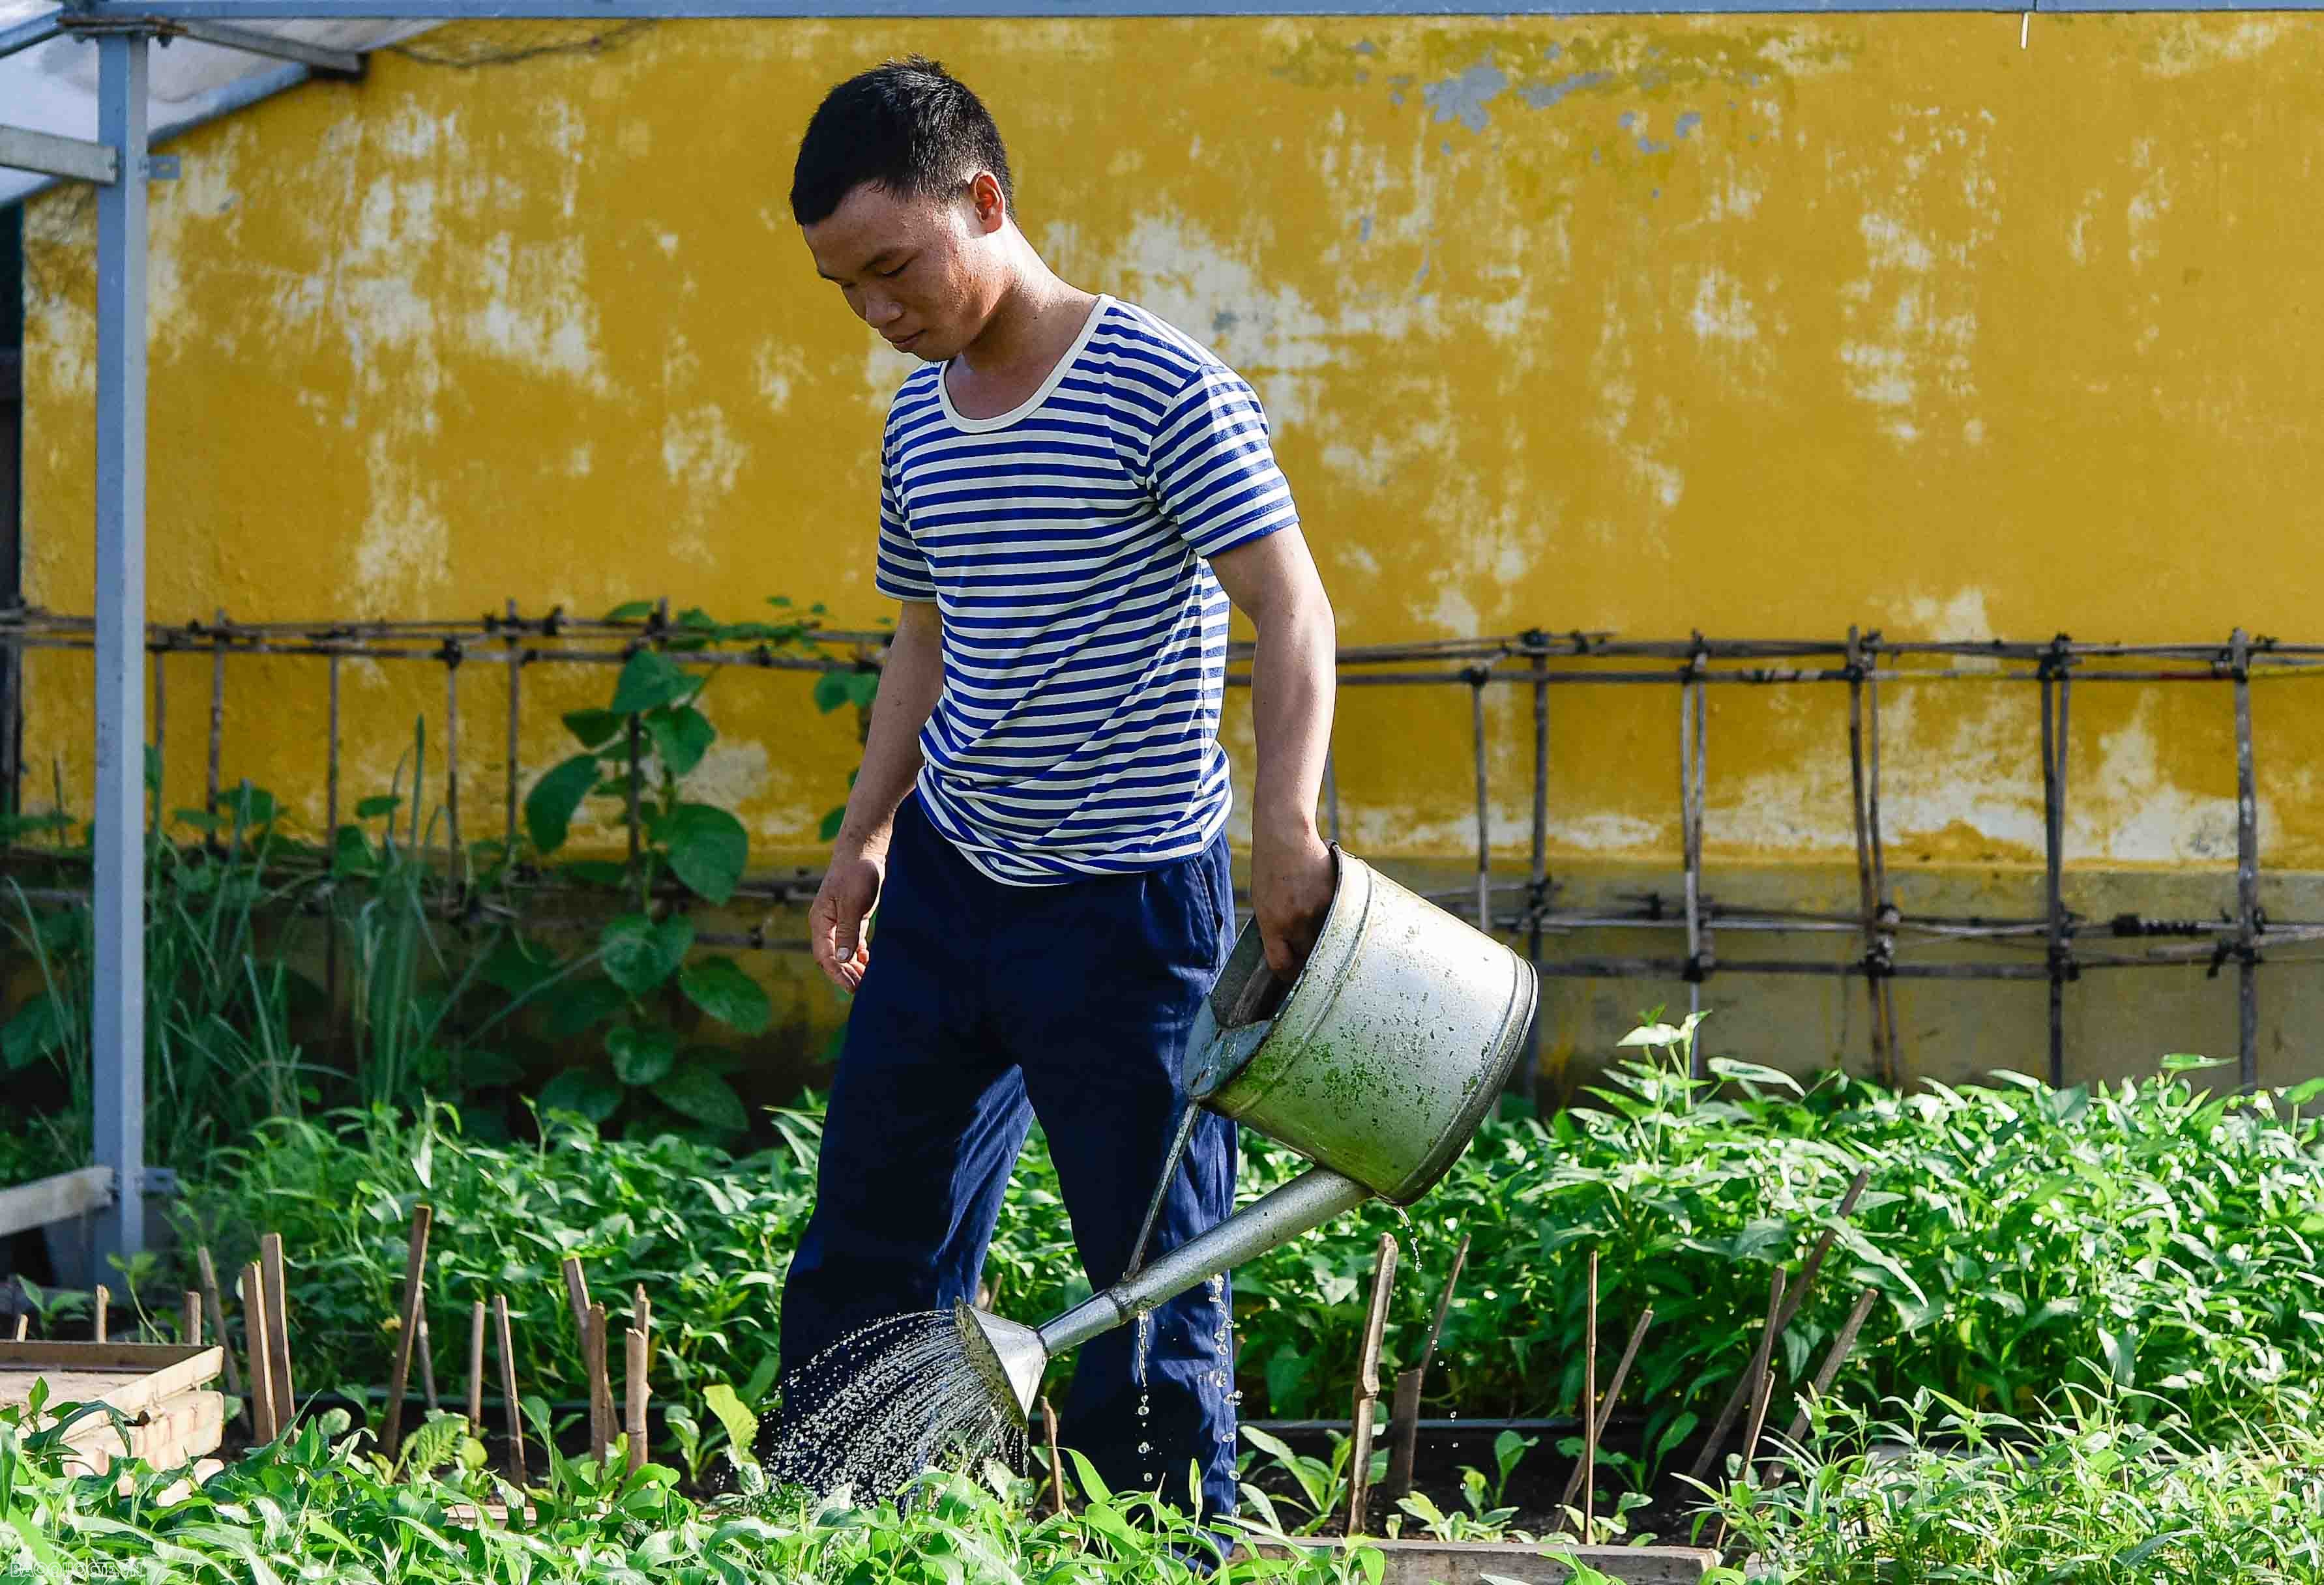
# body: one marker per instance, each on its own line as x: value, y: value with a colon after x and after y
x: 1291, y: 887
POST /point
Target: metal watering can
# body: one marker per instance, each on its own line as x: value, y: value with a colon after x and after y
x: 1377, y: 1063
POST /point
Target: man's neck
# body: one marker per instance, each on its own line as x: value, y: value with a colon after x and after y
x: 1034, y: 321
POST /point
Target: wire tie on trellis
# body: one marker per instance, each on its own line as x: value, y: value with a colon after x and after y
x: 552, y: 624
x: 1700, y: 966
x: 452, y: 652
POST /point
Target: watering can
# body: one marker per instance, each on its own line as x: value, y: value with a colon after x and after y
x: 1376, y: 1062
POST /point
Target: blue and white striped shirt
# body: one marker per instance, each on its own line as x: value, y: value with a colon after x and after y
x: 1084, y: 636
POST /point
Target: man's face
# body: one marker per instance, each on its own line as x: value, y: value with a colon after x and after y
x: 921, y: 272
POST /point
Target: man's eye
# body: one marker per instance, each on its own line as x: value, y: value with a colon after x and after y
x: 899, y: 269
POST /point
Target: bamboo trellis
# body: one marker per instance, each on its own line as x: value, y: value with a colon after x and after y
x: 1863, y: 663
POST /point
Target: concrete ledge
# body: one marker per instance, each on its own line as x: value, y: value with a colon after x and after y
x: 1471, y: 1562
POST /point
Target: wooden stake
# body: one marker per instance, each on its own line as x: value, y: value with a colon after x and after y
x: 1613, y: 1395
x: 189, y: 1329
x: 23, y: 1324
x: 1410, y: 1383
x: 633, y: 1382
x: 1832, y: 1360
x: 407, y: 1336
x: 1588, y: 1410
x: 218, y: 1316
x: 1404, y: 1435
x: 600, y: 1391
x: 1759, y: 1398
x: 576, y: 1296
x: 261, y: 1351
x: 1367, y: 1386
x: 1797, y: 1297
x: 427, y: 1364
x: 477, y: 1368
x: 278, y: 1333
x: 98, y: 1325
x: 508, y: 1389
x: 1056, y: 1457
x: 1717, y: 1443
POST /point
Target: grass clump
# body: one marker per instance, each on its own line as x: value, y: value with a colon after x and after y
x: 1940, y: 1491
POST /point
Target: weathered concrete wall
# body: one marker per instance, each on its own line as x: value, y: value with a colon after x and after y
x: 1753, y: 325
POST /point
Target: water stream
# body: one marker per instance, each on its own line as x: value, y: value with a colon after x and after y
x: 883, y: 1404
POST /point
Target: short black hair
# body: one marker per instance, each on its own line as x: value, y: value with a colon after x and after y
x: 907, y: 126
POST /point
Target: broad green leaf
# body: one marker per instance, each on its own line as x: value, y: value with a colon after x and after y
x: 549, y: 806
x: 37, y: 1028
x: 650, y: 679
x: 378, y: 803
x: 583, y: 1003
x: 641, y: 1057
x: 742, y: 1425
x: 704, y: 1097
x: 639, y: 954
x: 592, y: 1095
x: 631, y: 611
x: 720, y: 986
x: 681, y: 736
x: 708, y: 849
x: 593, y: 729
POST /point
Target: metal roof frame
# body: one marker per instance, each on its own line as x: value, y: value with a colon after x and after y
x: 119, y: 164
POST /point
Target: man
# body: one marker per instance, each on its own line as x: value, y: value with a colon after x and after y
x: 1070, y: 492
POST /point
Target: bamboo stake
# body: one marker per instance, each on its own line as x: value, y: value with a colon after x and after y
x: 1588, y: 1410
x: 217, y: 715
x: 415, y: 1277
x: 208, y: 1273
x: 23, y: 1324
x: 477, y: 1368
x: 508, y: 1390
x: 189, y: 1329
x: 255, y: 1342
x: 1795, y: 1296
x: 1712, y: 1447
x: 1058, y: 1504
x: 600, y: 1391
x: 1613, y: 1395
x: 1410, y: 1384
x: 427, y: 1364
x: 634, y: 1383
x: 98, y: 1326
x: 277, y: 1331
x: 1766, y: 1390
x: 1367, y: 1386
x: 1832, y: 1360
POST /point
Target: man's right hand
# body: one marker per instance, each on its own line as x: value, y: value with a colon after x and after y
x: 835, y: 923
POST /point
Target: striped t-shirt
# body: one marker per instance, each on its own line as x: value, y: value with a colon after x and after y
x: 1084, y: 634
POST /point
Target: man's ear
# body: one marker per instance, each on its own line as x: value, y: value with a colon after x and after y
x: 987, y: 203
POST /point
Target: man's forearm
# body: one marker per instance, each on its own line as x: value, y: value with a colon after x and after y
x: 1291, y: 694
x: 908, y: 684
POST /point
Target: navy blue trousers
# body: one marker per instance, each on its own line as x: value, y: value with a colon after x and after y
x: 983, y: 1006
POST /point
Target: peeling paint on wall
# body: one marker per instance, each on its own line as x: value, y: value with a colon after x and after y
x: 1760, y: 325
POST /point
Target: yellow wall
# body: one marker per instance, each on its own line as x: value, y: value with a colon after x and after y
x: 1755, y: 325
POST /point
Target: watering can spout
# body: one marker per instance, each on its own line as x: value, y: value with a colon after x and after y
x: 1011, y: 1358
x: 1377, y: 1063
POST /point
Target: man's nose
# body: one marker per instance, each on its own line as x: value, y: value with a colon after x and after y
x: 880, y: 310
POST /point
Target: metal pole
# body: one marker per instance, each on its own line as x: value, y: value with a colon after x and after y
x: 117, y: 1016
x: 1887, y: 913
x: 2053, y: 844
x: 515, y: 712
x: 1859, y: 809
x: 2246, y: 873
x: 1537, y: 895
x: 1484, y: 812
x: 1693, y: 703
